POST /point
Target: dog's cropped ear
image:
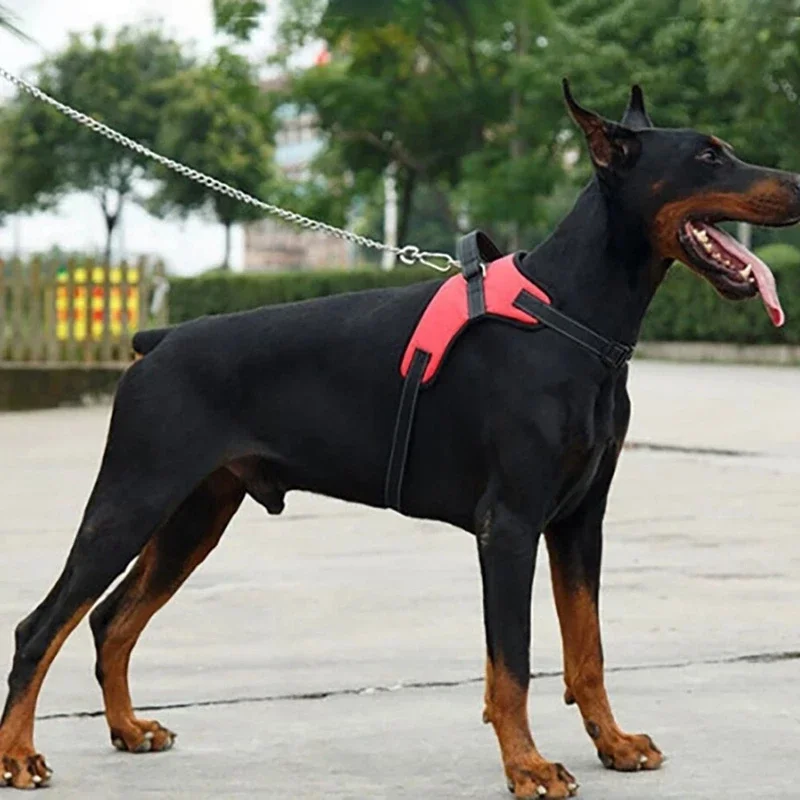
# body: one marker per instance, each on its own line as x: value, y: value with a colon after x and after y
x: 612, y: 147
x: 636, y: 117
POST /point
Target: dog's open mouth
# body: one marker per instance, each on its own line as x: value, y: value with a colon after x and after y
x: 729, y: 266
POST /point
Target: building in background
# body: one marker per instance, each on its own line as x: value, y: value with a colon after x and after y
x: 277, y: 247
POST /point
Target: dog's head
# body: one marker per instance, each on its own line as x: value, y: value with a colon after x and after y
x: 678, y: 184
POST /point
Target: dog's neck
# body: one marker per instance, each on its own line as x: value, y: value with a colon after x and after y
x: 600, y: 268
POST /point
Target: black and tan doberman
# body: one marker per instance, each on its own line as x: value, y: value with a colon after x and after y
x: 519, y: 437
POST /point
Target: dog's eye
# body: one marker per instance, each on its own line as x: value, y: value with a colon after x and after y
x: 710, y: 156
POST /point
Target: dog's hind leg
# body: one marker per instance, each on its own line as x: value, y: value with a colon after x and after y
x: 165, y: 563
x: 154, y: 458
x: 575, y: 548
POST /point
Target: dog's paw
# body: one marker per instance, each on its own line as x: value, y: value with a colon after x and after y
x: 541, y: 781
x: 630, y: 753
x: 25, y: 771
x: 143, y: 736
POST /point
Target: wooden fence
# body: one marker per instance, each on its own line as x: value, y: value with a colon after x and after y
x: 77, y: 311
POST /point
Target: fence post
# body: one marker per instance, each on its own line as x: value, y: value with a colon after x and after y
x: 89, y: 354
x: 17, y: 299
x: 144, y: 293
x: 49, y: 294
x: 162, y: 312
x: 35, y: 310
x: 69, y: 343
x: 105, y: 344
x: 3, y: 307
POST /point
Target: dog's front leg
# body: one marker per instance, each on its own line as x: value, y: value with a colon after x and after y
x: 575, y: 547
x: 507, y: 549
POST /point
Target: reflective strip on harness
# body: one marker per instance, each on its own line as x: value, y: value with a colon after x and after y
x: 447, y: 314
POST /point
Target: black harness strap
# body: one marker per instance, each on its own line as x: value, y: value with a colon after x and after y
x: 475, y: 251
x: 612, y: 353
x: 403, y: 427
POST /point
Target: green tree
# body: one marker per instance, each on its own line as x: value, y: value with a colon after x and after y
x: 753, y: 47
x: 238, y: 18
x: 119, y: 80
x: 221, y: 123
x: 426, y: 85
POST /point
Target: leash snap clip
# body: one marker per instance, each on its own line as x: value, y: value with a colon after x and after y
x: 411, y: 254
x: 430, y: 259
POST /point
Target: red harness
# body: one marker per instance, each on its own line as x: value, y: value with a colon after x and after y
x: 447, y: 314
x: 498, y: 291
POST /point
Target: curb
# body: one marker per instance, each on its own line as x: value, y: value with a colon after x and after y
x: 784, y: 355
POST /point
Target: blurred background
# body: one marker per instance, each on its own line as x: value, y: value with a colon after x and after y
x: 410, y: 121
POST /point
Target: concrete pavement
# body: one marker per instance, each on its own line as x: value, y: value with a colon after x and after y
x: 381, y: 615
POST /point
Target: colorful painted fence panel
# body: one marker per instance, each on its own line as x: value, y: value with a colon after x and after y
x: 77, y: 310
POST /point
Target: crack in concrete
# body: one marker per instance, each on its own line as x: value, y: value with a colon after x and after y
x: 691, y: 450
x: 753, y: 658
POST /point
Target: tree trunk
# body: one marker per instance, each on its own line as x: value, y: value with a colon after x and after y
x: 226, y: 264
x: 406, y: 206
x: 111, y: 218
x: 390, y: 227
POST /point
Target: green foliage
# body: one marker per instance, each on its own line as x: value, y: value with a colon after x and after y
x: 780, y: 256
x: 220, y: 122
x: 753, y: 49
x: 119, y: 80
x: 220, y: 293
x: 430, y: 86
x: 606, y: 46
x: 685, y: 308
x: 238, y: 18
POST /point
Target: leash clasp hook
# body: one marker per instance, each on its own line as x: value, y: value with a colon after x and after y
x: 441, y: 262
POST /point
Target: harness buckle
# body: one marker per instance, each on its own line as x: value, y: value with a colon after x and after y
x: 617, y: 355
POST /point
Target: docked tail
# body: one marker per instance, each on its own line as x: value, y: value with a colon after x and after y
x: 146, y: 341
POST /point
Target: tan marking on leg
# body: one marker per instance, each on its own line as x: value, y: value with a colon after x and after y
x: 585, y: 680
x: 17, y: 751
x: 136, y: 609
x: 506, y: 707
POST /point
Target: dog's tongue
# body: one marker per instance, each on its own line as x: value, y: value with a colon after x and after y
x: 765, y: 280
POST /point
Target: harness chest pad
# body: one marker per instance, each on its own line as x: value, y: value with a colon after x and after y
x: 447, y: 314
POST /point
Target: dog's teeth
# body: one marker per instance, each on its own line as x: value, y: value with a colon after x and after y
x: 747, y: 271
x: 727, y: 262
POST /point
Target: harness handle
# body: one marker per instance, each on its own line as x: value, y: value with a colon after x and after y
x: 475, y: 251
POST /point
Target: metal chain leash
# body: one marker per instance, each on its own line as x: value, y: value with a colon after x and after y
x: 409, y: 254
